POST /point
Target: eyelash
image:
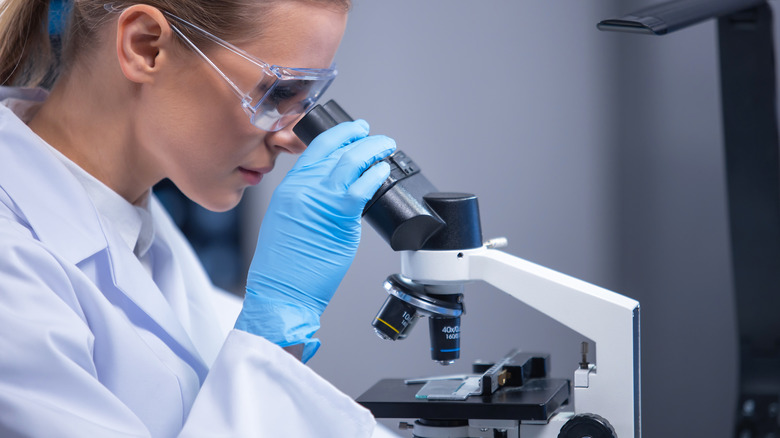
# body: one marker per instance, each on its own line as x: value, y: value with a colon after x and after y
x: 282, y: 93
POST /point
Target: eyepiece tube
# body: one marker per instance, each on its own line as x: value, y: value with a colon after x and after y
x: 398, y: 210
x: 320, y: 119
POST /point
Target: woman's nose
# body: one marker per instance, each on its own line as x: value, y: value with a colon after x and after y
x: 286, y: 140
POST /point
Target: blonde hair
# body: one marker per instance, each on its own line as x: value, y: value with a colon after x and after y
x: 26, y: 57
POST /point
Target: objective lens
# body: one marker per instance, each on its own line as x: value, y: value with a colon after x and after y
x: 445, y: 339
x: 394, y: 319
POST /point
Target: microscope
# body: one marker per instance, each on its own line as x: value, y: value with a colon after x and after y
x: 439, y: 237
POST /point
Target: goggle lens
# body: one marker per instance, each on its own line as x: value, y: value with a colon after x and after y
x: 275, y: 107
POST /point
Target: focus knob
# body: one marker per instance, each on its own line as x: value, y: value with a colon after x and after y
x: 587, y: 425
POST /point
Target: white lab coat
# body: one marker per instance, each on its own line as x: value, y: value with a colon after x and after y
x: 90, y: 347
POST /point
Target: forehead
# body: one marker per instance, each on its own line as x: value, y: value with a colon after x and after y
x: 298, y: 34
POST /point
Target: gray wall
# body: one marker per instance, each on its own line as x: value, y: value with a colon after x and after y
x: 673, y: 243
x: 597, y: 154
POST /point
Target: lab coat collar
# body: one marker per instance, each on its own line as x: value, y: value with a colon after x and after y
x: 135, y: 282
x: 34, y: 181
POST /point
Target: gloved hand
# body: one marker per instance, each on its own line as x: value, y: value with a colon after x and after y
x: 310, y: 234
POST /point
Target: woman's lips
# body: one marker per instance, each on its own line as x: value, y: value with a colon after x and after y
x: 252, y: 176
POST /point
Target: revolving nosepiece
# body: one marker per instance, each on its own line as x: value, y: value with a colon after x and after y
x: 407, y: 302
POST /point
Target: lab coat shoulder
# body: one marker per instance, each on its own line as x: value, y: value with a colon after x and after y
x: 47, y: 349
x: 32, y: 277
x: 30, y: 268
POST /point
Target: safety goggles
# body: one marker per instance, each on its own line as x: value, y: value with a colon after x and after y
x: 279, y: 97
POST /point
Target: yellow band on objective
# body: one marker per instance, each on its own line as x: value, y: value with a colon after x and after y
x: 383, y: 322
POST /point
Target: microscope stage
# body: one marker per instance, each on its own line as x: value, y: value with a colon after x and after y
x: 536, y: 400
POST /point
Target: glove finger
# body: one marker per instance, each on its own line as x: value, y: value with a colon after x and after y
x: 357, y: 159
x: 366, y: 186
x: 332, y: 140
x: 338, y: 153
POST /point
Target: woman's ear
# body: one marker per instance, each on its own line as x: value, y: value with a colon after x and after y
x: 143, y: 37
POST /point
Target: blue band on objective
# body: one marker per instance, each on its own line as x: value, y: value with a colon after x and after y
x: 448, y: 351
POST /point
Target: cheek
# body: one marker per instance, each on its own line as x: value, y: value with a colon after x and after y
x: 210, y: 149
x: 196, y: 133
x: 200, y: 124
x: 204, y: 169
x: 198, y: 100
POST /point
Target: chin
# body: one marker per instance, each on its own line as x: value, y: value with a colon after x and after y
x: 219, y: 202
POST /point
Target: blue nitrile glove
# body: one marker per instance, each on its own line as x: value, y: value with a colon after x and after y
x: 310, y: 234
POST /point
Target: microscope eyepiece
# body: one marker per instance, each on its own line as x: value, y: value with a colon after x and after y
x: 398, y: 210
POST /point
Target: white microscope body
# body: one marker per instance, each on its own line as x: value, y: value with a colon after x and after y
x: 610, y: 388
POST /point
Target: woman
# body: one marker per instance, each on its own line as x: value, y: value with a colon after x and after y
x: 107, y: 323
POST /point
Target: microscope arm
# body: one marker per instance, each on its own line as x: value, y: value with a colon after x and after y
x: 612, y: 388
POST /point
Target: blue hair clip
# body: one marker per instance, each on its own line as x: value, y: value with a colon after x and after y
x: 58, y: 16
